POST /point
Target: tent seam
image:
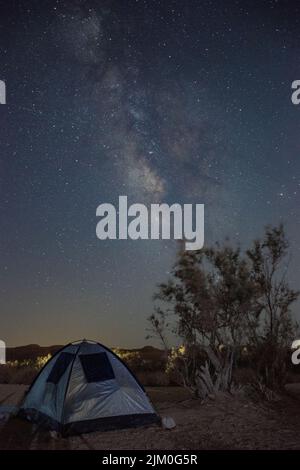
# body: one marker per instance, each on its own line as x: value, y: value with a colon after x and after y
x: 67, y: 385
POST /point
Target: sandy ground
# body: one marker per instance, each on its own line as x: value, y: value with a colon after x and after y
x: 224, y: 423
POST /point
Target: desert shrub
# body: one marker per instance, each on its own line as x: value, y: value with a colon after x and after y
x: 22, y: 372
x: 131, y: 358
x: 23, y: 375
x: 138, y: 361
x: 270, y: 359
x: 204, y: 304
x: 36, y: 363
x: 6, y: 373
x: 40, y: 361
x: 153, y: 379
x: 182, y: 366
x: 189, y: 367
x: 257, y: 390
x: 232, y: 306
x: 243, y: 375
x: 17, y: 375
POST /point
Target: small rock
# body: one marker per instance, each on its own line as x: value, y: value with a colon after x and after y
x: 53, y: 434
x: 168, y: 422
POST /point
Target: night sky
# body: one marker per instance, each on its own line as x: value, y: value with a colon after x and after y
x: 162, y: 101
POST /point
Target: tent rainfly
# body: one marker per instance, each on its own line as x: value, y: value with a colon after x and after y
x: 85, y: 387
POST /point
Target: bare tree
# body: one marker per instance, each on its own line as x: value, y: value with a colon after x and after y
x: 274, y: 329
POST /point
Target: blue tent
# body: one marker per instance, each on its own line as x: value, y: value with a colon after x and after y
x: 85, y: 387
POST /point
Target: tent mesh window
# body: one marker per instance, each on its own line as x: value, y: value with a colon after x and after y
x: 97, y: 367
x: 60, y: 367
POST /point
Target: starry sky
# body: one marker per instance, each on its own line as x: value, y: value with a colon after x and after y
x: 162, y: 101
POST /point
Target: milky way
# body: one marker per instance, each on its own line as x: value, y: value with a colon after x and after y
x: 172, y: 101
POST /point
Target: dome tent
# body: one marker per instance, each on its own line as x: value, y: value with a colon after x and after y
x: 85, y: 387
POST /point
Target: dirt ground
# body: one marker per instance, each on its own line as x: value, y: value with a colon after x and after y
x: 224, y: 423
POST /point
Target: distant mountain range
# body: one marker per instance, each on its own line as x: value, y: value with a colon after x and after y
x: 32, y: 351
